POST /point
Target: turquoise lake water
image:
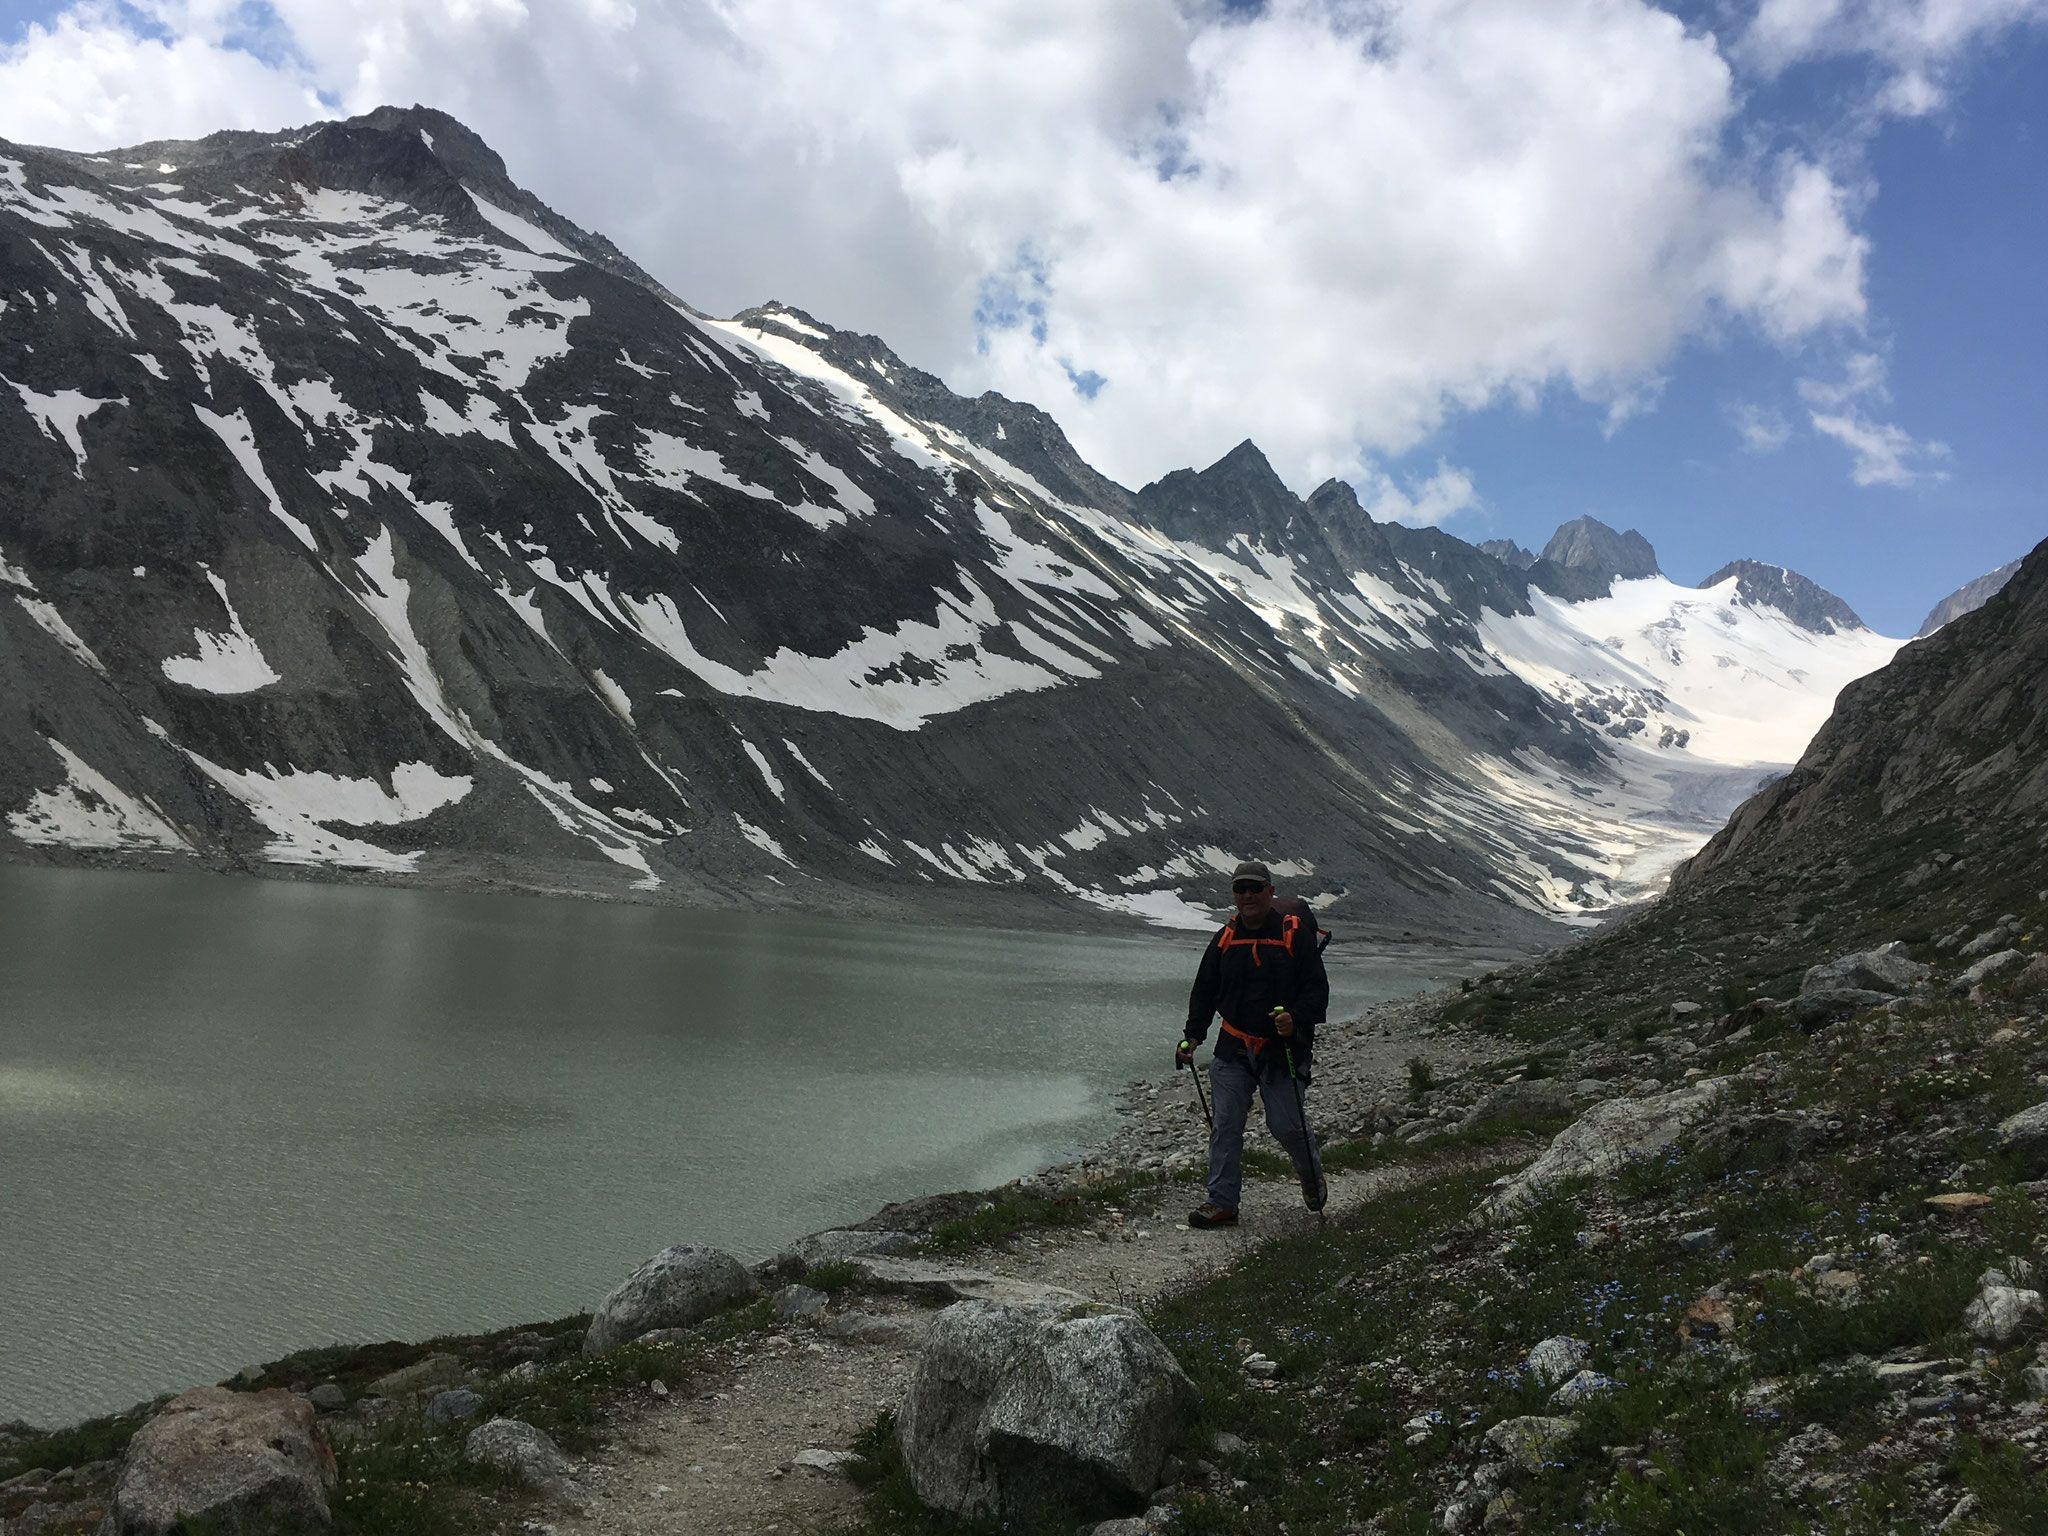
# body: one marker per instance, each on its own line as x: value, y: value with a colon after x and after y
x: 240, y: 1117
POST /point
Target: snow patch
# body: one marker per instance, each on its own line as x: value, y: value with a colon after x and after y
x: 227, y: 662
x: 88, y: 810
x: 60, y: 414
x: 763, y: 767
x: 234, y: 431
x: 525, y: 231
x: 51, y: 622
x: 761, y: 840
x: 294, y: 807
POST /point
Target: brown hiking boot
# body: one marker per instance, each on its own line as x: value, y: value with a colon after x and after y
x: 1315, y: 1191
x: 1210, y: 1214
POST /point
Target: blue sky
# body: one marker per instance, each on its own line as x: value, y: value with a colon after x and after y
x: 1958, y: 286
x: 1758, y: 277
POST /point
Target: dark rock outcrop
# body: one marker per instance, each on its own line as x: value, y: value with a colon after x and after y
x: 1967, y: 598
x: 1806, y: 603
x: 1589, y: 546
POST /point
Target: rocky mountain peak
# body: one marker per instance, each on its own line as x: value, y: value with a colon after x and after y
x: 1806, y: 603
x: 1508, y: 553
x: 1967, y: 598
x: 1589, y: 545
x: 1239, y: 495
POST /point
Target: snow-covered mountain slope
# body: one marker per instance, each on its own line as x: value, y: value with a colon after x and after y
x: 1736, y: 687
x: 360, y: 516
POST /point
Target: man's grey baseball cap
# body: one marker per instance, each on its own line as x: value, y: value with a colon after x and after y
x: 1252, y: 869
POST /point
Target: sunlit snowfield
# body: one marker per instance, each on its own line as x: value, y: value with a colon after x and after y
x: 239, y: 1117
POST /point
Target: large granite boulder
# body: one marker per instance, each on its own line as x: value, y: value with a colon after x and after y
x: 1851, y: 983
x: 1888, y: 969
x: 675, y: 1288
x: 1600, y: 1141
x: 229, y: 1462
x: 514, y: 1446
x: 1531, y: 1099
x: 2026, y: 1133
x: 1021, y: 1411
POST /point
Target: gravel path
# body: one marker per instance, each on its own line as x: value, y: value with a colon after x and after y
x: 724, y: 1458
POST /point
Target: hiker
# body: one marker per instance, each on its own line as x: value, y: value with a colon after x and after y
x: 1262, y: 975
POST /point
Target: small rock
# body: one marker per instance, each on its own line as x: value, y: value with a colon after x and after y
x: 799, y: 1301
x: 428, y: 1375
x: 2035, y: 1380
x: 1699, y: 1240
x: 221, y: 1459
x: 1261, y: 1367
x: 1966, y: 1506
x: 1961, y: 1203
x: 514, y: 1446
x: 2000, y: 1312
x: 328, y: 1398
x: 1708, y: 1320
x: 678, y: 1286
x: 1224, y: 1443
x: 1985, y: 969
x: 1904, y: 1372
x: 1527, y: 1443
x: 446, y: 1407
x: 836, y: 1247
x: 1557, y: 1359
x: 866, y: 1328
x: 1683, y: 1011
x: 829, y: 1463
x: 1130, y: 1525
x: 1582, y: 1386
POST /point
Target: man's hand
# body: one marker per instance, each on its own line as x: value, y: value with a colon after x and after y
x: 1283, y: 1023
x: 1183, y: 1056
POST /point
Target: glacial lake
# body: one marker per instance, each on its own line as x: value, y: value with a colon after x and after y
x: 240, y: 1117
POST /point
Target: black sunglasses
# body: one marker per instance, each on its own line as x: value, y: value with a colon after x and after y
x: 1246, y: 887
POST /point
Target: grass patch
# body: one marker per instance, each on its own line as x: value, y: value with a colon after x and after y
x: 1015, y: 1213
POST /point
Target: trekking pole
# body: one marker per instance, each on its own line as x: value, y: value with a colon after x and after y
x: 1198, y: 1084
x: 1315, y: 1159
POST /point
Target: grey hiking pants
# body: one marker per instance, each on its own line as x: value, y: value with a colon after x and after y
x: 1231, y: 1085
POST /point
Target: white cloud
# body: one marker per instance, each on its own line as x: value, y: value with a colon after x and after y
x: 1917, y: 45
x: 1444, y: 493
x: 1881, y: 450
x: 1761, y: 429
x: 1863, y: 377
x: 83, y: 80
x: 1328, y: 225
x: 1838, y: 409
